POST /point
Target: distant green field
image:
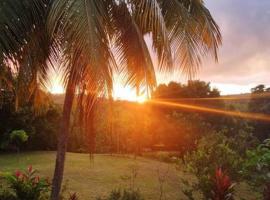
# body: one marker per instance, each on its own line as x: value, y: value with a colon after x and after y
x: 91, y: 179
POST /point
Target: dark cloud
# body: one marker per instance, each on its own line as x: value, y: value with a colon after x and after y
x: 245, y: 54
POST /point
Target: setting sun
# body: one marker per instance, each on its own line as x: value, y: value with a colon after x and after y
x: 120, y: 92
x: 57, y: 89
x: 128, y: 93
x: 141, y: 99
x: 137, y: 99
x: 56, y: 86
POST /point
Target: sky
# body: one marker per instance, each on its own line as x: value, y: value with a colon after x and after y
x: 244, y: 57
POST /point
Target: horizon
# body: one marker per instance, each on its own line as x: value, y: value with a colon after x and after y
x: 134, y: 99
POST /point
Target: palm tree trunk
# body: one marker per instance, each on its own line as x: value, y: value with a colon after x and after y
x: 111, y: 131
x: 62, y: 142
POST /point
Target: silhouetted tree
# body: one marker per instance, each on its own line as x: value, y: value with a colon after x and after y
x: 260, y: 103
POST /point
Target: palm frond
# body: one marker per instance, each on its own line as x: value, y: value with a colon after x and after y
x: 79, y: 26
x: 17, y: 19
x: 131, y: 50
x: 149, y: 18
x: 193, y: 32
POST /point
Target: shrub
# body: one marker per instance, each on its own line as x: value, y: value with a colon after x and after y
x: 26, y: 185
x: 215, y: 187
x: 213, y: 152
x: 18, y: 137
x: 7, y: 195
x: 222, y: 188
x: 256, y: 168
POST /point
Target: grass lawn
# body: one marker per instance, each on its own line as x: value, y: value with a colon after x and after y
x: 91, y: 179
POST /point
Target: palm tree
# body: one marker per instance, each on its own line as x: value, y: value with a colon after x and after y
x: 94, y: 38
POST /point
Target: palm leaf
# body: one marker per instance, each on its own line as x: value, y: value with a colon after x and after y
x: 17, y: 19
x: 193, y: 32
x: 132, y: 51
x: 149, y: 18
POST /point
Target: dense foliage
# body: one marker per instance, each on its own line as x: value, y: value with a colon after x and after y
x: 256, y: 168
x: 205, y: 142
x: 212, y: 155
x: 260, y: 103
x: 193, y: 89
x: 41, y: 129
x: 126, y: 127
x: 27, y: 185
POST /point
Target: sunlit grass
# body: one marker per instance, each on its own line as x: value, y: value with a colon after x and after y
x: 105, y: 173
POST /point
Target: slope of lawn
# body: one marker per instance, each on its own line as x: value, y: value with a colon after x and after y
x: 91, y: 179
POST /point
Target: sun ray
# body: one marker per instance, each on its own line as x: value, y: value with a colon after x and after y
x: 246, y: 115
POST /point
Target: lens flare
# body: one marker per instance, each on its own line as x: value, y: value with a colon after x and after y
x: 246, y: 115
x: 141, y: 99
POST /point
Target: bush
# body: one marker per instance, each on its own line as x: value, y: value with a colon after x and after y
x: 256, y: 168
x: 222, y: 187
x: 28, y: 186
x: 7, y: 195
x: 18, y: 137
x: 213, y: 152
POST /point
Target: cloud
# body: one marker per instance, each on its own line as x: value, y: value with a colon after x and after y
x: 244, y: 58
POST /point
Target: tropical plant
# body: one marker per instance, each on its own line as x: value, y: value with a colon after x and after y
x: 17, y: 138
x: 28, y: 186
x: 212, y: 152
x: 256, y: 168
x: 222, y: 188
x: 90, y: 34
x: 6, y: 194
x: 215, y: 186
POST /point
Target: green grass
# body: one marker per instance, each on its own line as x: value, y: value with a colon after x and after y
x: 91, y: 179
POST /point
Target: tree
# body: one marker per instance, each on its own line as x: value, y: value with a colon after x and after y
x: 90, y: 34
x: 193, y: 89
x: 260, y: 103
x: 258, y: 89
x: 17, y: 138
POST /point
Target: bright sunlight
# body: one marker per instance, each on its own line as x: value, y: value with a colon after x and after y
x: 55, y: 85
x: 134, y: 99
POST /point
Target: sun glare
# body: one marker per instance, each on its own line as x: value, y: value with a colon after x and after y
x: 56, y: 86
x: 57, y: 89
x: 141, y: 99
x: 129, y: 94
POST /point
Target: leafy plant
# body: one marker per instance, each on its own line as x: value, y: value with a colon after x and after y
x: 27, y: 185
x: 6, y: 194
x: 218, y: 186
x: 256, y: 168
x: 223, y: 188
x: 213, y: 152
x: 18, y: 137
